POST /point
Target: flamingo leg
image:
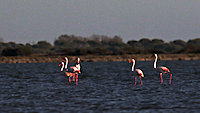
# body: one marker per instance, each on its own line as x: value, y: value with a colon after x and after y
x: 161, y: 78
x: 135, y: 80
x: 66, y: 81
x: 69, y: 79
x: 141, y: 80
x: 77, y: 79
x: 73, y: 77
x: 170, y: 79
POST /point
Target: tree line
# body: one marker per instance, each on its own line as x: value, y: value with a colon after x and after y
x: 99, y: 45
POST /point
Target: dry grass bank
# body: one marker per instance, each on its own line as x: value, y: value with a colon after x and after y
x: 96, y: 58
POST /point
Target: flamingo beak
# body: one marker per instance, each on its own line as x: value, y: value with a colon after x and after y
x: 59, y: 65
x: 129, y: 61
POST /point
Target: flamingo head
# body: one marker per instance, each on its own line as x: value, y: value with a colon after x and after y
x: 131, y: 60
x: 62, y: 63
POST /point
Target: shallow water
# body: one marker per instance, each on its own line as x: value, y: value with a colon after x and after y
x: 103, y: 87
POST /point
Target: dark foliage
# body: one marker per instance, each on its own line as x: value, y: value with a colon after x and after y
x: 21, y: 51
x: 99, y: 45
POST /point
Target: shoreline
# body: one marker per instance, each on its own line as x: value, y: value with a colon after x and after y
x: 97, y: 58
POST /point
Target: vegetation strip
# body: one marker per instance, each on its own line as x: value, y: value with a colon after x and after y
x: 98, y: 58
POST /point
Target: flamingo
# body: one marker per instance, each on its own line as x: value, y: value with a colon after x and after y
x: 69, y: 74
x: 61, y: 64
x: 138, y: 72
x: 77, y: 67
x: 161, y: 70
x: 75, y: 70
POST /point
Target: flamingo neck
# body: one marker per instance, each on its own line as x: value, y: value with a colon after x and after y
x: 62, y: 67
x: 66, y: 64
x: 78, y: 61
x: 133, y: 66
x: 155, y: 61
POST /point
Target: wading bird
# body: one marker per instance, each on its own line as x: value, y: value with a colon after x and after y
x: 72, y: 71
x: 69, y: 74
x: 161, y: 70
x: 77, y: 67
x: 138, y: 72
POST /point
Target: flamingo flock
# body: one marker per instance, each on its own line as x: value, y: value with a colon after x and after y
x: 74, y: 71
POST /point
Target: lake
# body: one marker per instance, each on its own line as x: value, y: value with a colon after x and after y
x: 102, y: 87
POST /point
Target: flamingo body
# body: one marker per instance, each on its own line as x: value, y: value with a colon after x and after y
x: 161, y: 69
x: 139, y: 72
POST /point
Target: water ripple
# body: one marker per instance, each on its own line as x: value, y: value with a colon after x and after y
x: 103, y: 87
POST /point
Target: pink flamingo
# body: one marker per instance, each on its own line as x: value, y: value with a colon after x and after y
x: 75, y: 70
x: 69, y: 74
x: 161, y: 70
x: 138, y: 71
x: 77, y: 67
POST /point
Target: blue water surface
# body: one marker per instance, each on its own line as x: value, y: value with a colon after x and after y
x: 103, y: 87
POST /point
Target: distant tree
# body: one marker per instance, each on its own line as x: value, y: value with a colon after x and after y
x: 102, y: 51
x: 28, y: 45
x: 157, y: 41
x: 135, y: 44
x: 9, y: 52
x: 190, y: 48
x: 132, y: 42
x: 130, y: 50
x: 117, y: 39
x: 145, y: 41
x: 194, y: 42
x: 93, y: 43
x: 105, y: 39
x: 155, y: 50
x: 22, y: 51
x: 96, y: 38
x: 154, y: 45
x: 60, y: 43
x: 42, y: 45
x: 68, y: 51
x: 180, y: 43
x: 11, y: 44
x: 164, y: 47
x: 81, y: 51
